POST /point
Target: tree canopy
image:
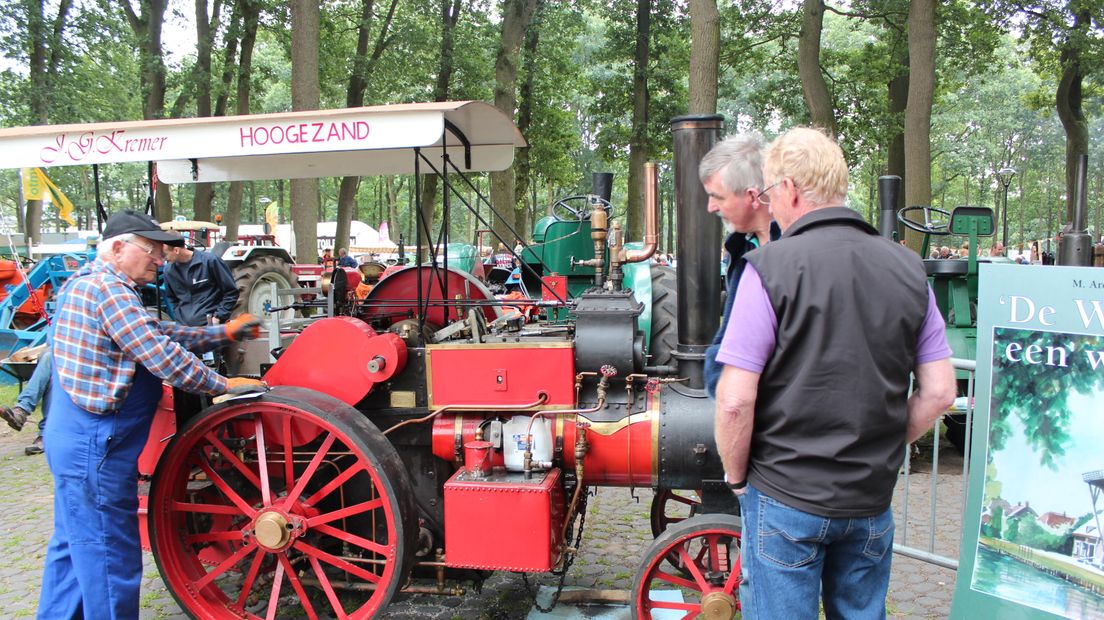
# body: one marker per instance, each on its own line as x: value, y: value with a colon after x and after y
x: 593, y: 84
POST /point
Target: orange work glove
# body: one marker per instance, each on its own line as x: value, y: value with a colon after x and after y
x: 244, y: 385
x: 243, y: 326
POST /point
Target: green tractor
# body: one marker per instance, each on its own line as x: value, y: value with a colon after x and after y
x: 953, y: 280
x: 563, y: 245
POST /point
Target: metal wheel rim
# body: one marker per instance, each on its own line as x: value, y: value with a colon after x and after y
x: 237, y: 583
x: 712, y: 560
x: 262, y: 294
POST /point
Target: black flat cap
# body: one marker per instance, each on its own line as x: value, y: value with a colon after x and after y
x: 140, y: 224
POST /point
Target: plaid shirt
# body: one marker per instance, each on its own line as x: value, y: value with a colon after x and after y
x: 101, y: 331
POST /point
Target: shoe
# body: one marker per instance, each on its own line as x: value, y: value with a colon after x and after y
x: 38, y: 447
x: 15, y: 416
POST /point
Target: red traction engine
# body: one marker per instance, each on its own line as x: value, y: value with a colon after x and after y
x: 423, y: 438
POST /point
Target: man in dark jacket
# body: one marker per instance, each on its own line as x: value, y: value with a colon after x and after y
x: 199, y: 285
x: 732, y: 174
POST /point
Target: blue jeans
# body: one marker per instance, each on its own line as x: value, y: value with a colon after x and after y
x: 791, y: 558
x: 36, y: 386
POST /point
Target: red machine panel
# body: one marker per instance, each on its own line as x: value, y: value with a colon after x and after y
x: 504, y: 521
x: 501, y: 374
x: 366, y: 358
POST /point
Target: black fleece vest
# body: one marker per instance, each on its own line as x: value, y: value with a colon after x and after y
x: 831, y: 408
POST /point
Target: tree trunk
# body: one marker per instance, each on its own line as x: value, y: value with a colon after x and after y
x: 147, y: 25
x: 817, y: 97
x: 515, y: 20
x: 363, y: 65
x: 203, y: 192
x: 250, y: 12
x: 393, y: 228
x: 705, y: 58
x: 638, y: 139
x: 1068, y: 104
x: 44, y: 56
x: 305, y: 95
x: 450, y: 14
x: 522, y: 165
x: 921, y: 87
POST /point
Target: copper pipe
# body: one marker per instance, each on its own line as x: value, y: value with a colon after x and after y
x: 541, y: 397
x: 651, y: 207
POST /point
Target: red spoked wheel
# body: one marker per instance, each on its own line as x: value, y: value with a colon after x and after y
x: 670, y: 506
x: 291, y: 503
x: 706, y: 586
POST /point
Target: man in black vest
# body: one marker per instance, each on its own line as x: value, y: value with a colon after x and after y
x: 813, y: 405
x: 732, y: 175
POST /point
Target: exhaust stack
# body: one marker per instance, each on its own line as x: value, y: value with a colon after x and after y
x: 889, y: 189
x: 1075, y: 247
x: 699, y: 246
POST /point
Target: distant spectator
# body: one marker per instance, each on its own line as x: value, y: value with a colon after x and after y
x: 503, y: 258
x: 326, y: 258
x: 997, y: 249
x: 944, y: 252
x: 344, y: 260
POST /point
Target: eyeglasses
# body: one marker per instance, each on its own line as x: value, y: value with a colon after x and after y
x: 763, y: 197
x: 148, y: 250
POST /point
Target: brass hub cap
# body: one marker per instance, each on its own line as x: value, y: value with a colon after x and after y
x: 271, y: 530
x: 718, y: 606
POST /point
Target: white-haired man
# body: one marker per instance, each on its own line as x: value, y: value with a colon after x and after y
x: 110, y: 358
x: 732, y: 175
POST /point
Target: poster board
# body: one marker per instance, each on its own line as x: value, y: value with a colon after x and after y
x: 1032, y: 544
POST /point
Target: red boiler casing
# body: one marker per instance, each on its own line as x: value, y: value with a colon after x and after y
x: 504, y: 521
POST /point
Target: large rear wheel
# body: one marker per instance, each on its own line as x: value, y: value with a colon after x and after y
x: 292, y: 503
x: 255, y: 278
x: 664, y: 339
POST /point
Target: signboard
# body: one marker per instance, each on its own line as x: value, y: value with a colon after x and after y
x: 1032, y: 544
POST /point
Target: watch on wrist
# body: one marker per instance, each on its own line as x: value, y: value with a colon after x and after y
x: 735, y: 486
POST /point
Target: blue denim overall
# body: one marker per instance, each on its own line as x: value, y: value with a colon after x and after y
x: 94, y: 559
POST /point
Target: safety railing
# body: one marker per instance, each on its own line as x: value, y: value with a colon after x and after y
x: 916, y: 533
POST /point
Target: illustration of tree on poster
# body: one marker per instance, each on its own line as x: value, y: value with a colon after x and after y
x: 1032, y: 544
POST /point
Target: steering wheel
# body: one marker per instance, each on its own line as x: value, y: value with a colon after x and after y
x: 931, y: 225
x: 577, y: 214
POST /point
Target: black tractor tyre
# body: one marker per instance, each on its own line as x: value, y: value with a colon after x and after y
x: 664, y: 338
x: 254, y: 278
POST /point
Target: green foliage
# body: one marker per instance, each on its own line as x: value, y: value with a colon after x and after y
x: 995, y: 526
x: 1036, y: 394
x: 1028, y: 532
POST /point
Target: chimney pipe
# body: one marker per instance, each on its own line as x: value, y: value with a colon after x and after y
x: 699, y: 246
x: 1075, y: 246
x: 889, y: 189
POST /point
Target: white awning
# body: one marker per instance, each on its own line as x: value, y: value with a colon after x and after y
x: 319, y: 143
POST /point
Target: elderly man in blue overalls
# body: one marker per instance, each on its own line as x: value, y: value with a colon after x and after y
x: 110, y: 358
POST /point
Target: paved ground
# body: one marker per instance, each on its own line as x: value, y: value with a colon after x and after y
x: 617, y: 533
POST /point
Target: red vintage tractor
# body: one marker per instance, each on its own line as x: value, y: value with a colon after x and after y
x: 431, y: 430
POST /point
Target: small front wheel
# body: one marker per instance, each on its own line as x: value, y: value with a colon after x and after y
x: 707, y: 580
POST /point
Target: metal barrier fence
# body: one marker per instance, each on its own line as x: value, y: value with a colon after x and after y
x: 930, y: 523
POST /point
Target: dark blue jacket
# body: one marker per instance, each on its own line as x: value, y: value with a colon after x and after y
x: 737, y: 245
x: 202, y: 286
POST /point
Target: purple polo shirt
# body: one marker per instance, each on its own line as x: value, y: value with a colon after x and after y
x: 749, y: 341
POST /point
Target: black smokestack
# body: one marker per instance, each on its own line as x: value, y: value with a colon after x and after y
x: 699, y: 245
